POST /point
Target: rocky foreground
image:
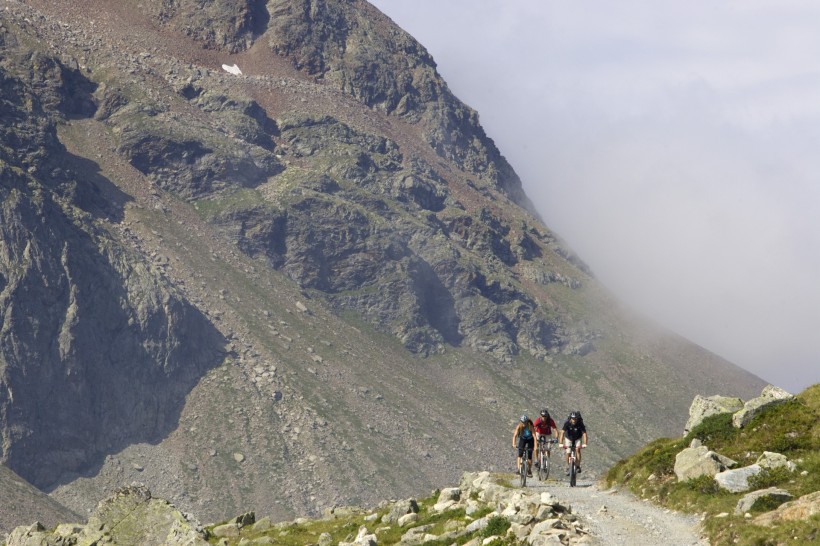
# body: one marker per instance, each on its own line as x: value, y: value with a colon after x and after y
x: 482, y: 506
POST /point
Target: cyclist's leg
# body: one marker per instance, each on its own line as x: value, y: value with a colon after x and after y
x: 537, y: 448
x: 567, y: 450
x: 530, y: 446
x: 578, y: 453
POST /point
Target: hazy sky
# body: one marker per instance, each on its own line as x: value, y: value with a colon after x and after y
x: 674, y: 146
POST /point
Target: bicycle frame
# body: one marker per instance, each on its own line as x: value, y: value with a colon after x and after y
x: 543, y: 456
x: 573, y: 467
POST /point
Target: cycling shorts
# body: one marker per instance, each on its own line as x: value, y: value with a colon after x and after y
x: 568, y: 444
x: 527, y: 445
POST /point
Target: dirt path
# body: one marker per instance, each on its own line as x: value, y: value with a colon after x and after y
x: 616, y: 518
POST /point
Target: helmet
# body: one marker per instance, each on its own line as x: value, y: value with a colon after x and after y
x: 575, y: 415
x: 545, y: 414
x: 524, y: 419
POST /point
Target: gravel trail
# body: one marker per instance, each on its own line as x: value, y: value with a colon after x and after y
x: 618, y: 518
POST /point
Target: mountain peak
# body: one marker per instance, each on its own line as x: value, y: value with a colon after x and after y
x: 319, y: 273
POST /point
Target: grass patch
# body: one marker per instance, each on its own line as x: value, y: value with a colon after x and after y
x: 790, y: 428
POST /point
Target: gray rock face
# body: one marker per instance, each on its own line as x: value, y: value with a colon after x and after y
x: 391, y: 72
x: 97, y: 349
x: 770, y: 395
x: 703, y: 407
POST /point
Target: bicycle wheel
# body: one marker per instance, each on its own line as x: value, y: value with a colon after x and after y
x: 541, y: 474
x: 545, y: 465
x: 522, y: 471
x: 572, y: 472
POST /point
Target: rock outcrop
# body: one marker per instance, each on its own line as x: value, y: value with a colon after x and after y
x: 765, y: 497
x: 97, y: 348
x: 770, y: 395
x: 129, y: 516
x: 799, y: 509
x: 737, y: 480
x: 133, y: 516
x: 698, y: 460
x: 703, y: 407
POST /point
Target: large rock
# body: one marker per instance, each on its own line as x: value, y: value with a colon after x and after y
x: 769, y: 396
x: 694, y: 462
x: 400, y: 509
x: 129, y: 516
x: 775, y: 460
x: 797, y: 510
x: 748, y: 501
x: 737, y: 481
x: 703, y: 407
x: 363, y: 538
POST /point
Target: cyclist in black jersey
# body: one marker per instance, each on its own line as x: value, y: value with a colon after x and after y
x: 573, y: 431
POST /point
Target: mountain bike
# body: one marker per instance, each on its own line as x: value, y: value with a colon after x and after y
x: 522, y: 469
x: 544, y: 453
x: 573, y: 467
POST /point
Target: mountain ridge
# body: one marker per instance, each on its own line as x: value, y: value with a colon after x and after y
x: 294, y: 266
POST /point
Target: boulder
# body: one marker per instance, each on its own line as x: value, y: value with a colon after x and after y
x: 775, y: 460
x: 737, y: 481
x: 694, y: 462
x: 748, y: 501
x: 769, y: 396
x: 448, y: 499
x: 363, y: 538
x: 407, y: 519
x: 399, y: 509
x: 800, y: 509
x: 703, y: 407
x: 227, y: 530
x: 449, y: 494
x: 480, y: 523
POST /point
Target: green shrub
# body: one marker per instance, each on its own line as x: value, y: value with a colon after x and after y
x: 770, y: 477
x: 496, y: 526
x: 715, y: 428
x: 705, y: 485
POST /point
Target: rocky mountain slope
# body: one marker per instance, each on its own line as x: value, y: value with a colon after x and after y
x: 24, y: 504
x: 307, y: 284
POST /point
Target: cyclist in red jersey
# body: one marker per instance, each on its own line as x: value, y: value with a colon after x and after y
x: 544, y: 426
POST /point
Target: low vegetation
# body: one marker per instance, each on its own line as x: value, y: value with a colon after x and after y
x: 791, y: 429
x: 344, y: 524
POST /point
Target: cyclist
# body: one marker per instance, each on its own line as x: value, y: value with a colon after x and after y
x: 544, y: 427
x: 573, y: 431
x: 524, y: 439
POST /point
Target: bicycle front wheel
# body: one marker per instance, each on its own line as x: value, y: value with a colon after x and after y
x: 572, y: 473
x: 545, y: 465
x: 522, y: 473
